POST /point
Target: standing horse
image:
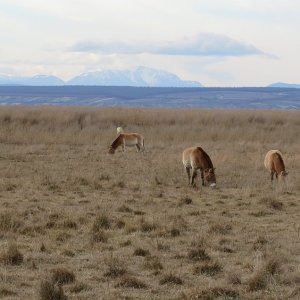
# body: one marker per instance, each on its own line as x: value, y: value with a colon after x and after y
x: 127, y: 139
x: 275, y: 165
x: 196, y: 158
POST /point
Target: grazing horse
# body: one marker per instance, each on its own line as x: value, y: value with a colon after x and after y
x: 196, y: 158
x: 119, y: 130
x: 275, y: 165
x: 127, y: 139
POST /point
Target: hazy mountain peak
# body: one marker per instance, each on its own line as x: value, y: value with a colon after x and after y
x: 43, y: 80
x: 140, y: 76
x: 284, y: 85
x: 37, y: 80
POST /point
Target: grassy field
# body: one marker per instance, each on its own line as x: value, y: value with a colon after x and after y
x: 78, y: 223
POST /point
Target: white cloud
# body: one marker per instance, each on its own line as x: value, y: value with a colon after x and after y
x: 207, y: 44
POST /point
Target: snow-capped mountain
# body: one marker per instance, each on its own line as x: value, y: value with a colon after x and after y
x: 141, y: 76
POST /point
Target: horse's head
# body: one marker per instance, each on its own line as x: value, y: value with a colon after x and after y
x: 111, y: 150
x: 282, y: 175
x: 210, y: 177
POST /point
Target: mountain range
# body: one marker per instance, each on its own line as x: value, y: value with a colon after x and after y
x: 139, y: 77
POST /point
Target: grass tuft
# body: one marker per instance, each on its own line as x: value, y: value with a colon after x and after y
x: 147, y: 226
x: 97, y: 232
x: 171, y: 279
x: 50, y: 291
x: 4, y: 292
x: 257, y: 281
x: 153, y: 263
x: 220, y: 228
x: 141, y: 252
x: 271, y: 203
x: 185, y: 201
x: 209, y: 269
x: 102, y: 221
x: 8, y: 222
x: 198, y: 254
x: 12, y: 256
x: 115, y: 267
x: 62, y: 276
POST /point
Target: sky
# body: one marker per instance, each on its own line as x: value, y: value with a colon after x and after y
x: 215, y: 42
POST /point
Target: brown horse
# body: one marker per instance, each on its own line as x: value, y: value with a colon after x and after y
x: 275, y: 165
x: 127, y: 139
x: 196, y: 158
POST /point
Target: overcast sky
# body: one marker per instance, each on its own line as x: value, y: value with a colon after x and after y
x: 216, y: 42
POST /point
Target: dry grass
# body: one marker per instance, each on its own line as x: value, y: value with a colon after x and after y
x: 50, y: 291
x: 128, y: 226
x: 12, y: 256
x: 62, y: 276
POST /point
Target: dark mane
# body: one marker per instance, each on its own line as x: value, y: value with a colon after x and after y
x: 280, y: 159
x: 114, y: 144
x: 206, y: 156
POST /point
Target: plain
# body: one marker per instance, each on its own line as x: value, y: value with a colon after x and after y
x: 80, y: 223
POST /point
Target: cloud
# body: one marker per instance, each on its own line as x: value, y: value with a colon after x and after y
x: 109, y: 47
x: 204, y: 44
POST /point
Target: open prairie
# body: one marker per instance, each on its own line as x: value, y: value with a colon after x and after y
x: 79, y: 223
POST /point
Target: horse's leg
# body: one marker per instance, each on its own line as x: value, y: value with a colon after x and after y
x: 202, y: 178
x: 188, y: 171
x: 194, y: 175
x: 140, y: 145
x: 272, y: 176
x: 143, y: 145
x: 138, y: 148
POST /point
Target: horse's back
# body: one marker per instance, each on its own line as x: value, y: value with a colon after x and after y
x: 131, y: 134
x: 191, y: 156
x: 187, y: 154
x: 270, y: 157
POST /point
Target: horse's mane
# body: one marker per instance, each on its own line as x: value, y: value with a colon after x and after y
x: 280, y: 159
x: 116, y: 142
x: 206, y: 156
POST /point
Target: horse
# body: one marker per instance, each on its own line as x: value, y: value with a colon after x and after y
x: 127, y: 139
x: 275, y: 165
x: 119, y: 130
x: 196, y: 158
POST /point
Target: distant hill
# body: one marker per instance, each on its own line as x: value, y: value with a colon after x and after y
x: 140, y: 77
x: 285, y: 85
x: 38, y: 80
x: 44, y: 80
